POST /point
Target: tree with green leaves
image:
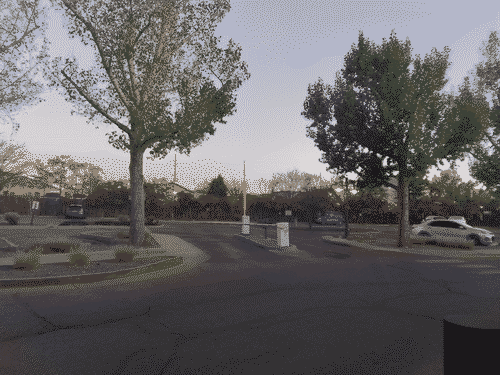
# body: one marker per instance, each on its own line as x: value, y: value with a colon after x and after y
x: 86, y: 178
x: 485, y: 162
x: 59, y: 171
x: 390, y: 120
x: 14, y: 164
x: 22, y: 57
x: 160, y: 77
x: 218, y: 188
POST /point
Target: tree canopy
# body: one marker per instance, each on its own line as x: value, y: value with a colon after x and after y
x: 160, y: 77
x: 22, y: 57
x: 485, y: 165
x: 390, y: 120
x: 218, y: 188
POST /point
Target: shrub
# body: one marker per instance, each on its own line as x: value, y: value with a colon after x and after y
x: 28, y: 261
x: 123, y: 218
x: 12, y: 218
x: 78, y: 258
x: 125, y: 254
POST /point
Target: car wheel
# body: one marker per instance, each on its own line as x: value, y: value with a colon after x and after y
x: 424, y: 234
x: 477, y: 241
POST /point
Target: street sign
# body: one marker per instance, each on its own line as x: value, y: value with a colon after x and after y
x: 35, y: 205
x: 288, y: 213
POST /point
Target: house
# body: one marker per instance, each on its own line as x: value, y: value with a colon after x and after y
x: 288, y: 194
x: 176, y: 188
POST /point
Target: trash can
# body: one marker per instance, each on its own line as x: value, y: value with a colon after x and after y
x: 283, y: 234
x: 245, y: 229
x: 471, y: 342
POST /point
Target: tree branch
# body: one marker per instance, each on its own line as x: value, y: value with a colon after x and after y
x: 101, y: 54
x: 96, y: 106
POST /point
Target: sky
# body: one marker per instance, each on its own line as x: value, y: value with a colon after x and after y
x: 287, y: 46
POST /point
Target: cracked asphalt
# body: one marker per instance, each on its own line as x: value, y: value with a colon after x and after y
x: 246, y: 310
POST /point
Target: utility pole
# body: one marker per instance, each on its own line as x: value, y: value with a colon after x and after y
x: 175, y: 169
x: 245, y: 229
x: 244, y: 191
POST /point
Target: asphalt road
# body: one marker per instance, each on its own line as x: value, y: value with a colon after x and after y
x: 247, y: 310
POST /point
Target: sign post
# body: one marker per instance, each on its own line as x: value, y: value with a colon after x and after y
x: 289, y: 213
x: 34, y: 206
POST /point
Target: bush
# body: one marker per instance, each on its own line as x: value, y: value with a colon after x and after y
x: 12, y: 218
x: 78, y: 258
x: 125, y: 254
x: 28, y: 261
x: 123, y: 218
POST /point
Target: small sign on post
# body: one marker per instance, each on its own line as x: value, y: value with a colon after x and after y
x: 34, y: 206
x: 288, y: 213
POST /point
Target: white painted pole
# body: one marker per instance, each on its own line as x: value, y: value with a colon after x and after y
x: 244, y: 191
x: 245, y: 229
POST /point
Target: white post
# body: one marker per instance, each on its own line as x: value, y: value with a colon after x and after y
x: 245, y: 229
x: 283, y: 231
x: 244, y: 191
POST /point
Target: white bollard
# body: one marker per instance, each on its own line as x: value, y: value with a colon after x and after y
x: 283, y: 239
x: 245, y: 229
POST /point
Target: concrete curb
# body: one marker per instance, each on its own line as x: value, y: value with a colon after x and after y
x: 445, y: 252
x: 266, y: 244
x: 169, y: 246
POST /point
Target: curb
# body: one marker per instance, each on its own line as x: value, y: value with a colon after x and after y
x: 268, y: 244
x: 361, y: 245
x: 58, y: 280
x: 187, y: 261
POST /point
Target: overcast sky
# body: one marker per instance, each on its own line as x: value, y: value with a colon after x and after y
x: 287, y: 44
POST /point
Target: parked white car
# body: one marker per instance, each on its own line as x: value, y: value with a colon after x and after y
x: 75, y: 211
x: 430, y: 218
x: 458, y: 219
x: 449, y: 229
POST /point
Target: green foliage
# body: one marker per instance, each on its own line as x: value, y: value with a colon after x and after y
x: 126, y: 253
x: 218, y: 188
x: 390, y: 119
x: 158, y: 40
x: 31, y: 258
x: 21, y: 57
x: 486, y: 164
x: 78, y: 258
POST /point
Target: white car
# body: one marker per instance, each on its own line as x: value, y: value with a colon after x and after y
x: 449, y: 229
x: 458, y: 219
x: 75, y: 211
x: 430, y: 218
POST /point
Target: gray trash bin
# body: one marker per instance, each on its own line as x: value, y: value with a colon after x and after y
x: 471, y: 342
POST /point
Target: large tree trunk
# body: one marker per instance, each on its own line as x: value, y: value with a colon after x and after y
x: 137, y: 226
x: 404, y: 218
